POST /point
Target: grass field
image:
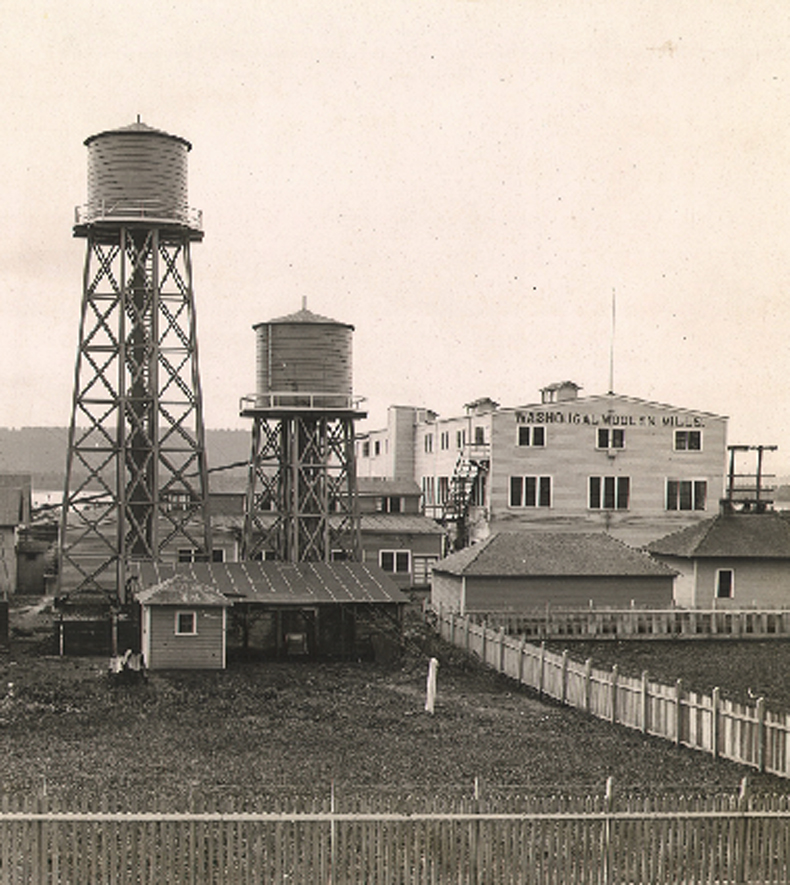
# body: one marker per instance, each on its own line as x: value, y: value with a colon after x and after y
x: 256, y: 729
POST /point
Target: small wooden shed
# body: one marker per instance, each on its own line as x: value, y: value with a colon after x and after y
x: 522, y: 571
x: 183, y: 625
x: 734, y: 560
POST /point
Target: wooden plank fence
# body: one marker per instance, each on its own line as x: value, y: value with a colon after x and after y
x: 585, y: 839
x: 746, y: 733
x: 641, y: 623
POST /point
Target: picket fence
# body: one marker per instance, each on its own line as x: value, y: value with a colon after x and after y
x: 600, y: 840
x: 642, y: 623
x: 746, y: 733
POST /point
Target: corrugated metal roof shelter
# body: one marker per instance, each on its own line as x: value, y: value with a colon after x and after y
x: 281, y: 610
x: 522, y: 571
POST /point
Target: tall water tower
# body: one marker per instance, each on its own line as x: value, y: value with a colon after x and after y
x: 301, y: 493
x: 136, y: 478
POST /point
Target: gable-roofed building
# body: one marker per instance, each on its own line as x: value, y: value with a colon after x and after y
x: 183, y: 625
x: 734, y: 560
x: 522, y: 571
x: 610, y: 462
x: 280, y: 610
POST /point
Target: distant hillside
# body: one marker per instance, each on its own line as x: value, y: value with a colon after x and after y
x: 41, y: 452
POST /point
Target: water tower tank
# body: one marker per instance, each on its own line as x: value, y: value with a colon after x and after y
x: 304, y: 352
x: 137, y: 172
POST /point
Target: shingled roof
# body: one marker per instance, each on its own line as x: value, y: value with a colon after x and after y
x: 181, y: 590
x: 736, y: 535
x: 545, y: 554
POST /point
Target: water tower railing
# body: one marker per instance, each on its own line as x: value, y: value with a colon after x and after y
x: 297, y: 399
x: 135, y: 210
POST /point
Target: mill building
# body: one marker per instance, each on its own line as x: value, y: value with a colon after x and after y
x: 622, y: 464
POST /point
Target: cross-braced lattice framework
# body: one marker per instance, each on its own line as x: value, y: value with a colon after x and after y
x: 136, y: 478
x: 301, y: 494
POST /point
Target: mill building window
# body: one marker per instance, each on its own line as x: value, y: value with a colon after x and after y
x: 480, y: 436
x: 428, y: 443
x: 531, y: 436
x: 611, y: 438
x: 530, y: 491
x: 428, y: 486
x: 688, y: 440
x: 444, y: 440
x: 366, y: 449
x: 609, y: 492
x: 686, y: 494
x: 377, y: 447
x: 460, y: 439
x: 444, y: 490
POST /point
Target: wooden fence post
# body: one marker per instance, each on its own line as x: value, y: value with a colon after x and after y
x: 760, y: 715
x: 645, y: 697
x: 606, y: 835
x: 564, y: 684
x: 542, y: 660
x: 466, y: 633
x: 501, y: 649
x: 485, y: 638
x: 678, y: 711
x: 742, y: 844
x: 715, y: 703
x: 587, y: 684
x: 615, y: 675
x: 522, y: 646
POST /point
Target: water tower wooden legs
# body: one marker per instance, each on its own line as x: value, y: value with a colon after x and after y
x: 301, y: 492
x: 136, y: 481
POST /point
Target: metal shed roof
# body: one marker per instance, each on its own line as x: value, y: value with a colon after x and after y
x: 281, y: 583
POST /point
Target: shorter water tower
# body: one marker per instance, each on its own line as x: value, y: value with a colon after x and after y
x: 301, y: 492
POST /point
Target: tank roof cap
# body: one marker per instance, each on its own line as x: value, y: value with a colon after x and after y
x: 138, y: 128
x: 304, y: 316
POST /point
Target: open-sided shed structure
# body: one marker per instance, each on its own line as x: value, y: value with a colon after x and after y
x: 282, y: 610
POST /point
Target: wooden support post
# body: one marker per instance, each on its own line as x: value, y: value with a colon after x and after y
x: 466, y: 633
x: 587, y: 684
x: 615, y: 678
x: 564, y: 688
x: 678, y: 711
x: 715, y: 704
x: 645, y: 697
x: 606, y: 835
x: 760, y: 715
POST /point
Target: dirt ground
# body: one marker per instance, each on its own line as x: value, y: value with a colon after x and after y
x: 68, y: 730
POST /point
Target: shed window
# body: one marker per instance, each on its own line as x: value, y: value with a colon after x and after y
x: 186, y: 623
x: 725, y: 583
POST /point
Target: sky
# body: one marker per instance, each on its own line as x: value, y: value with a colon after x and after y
x: 472, y: 184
